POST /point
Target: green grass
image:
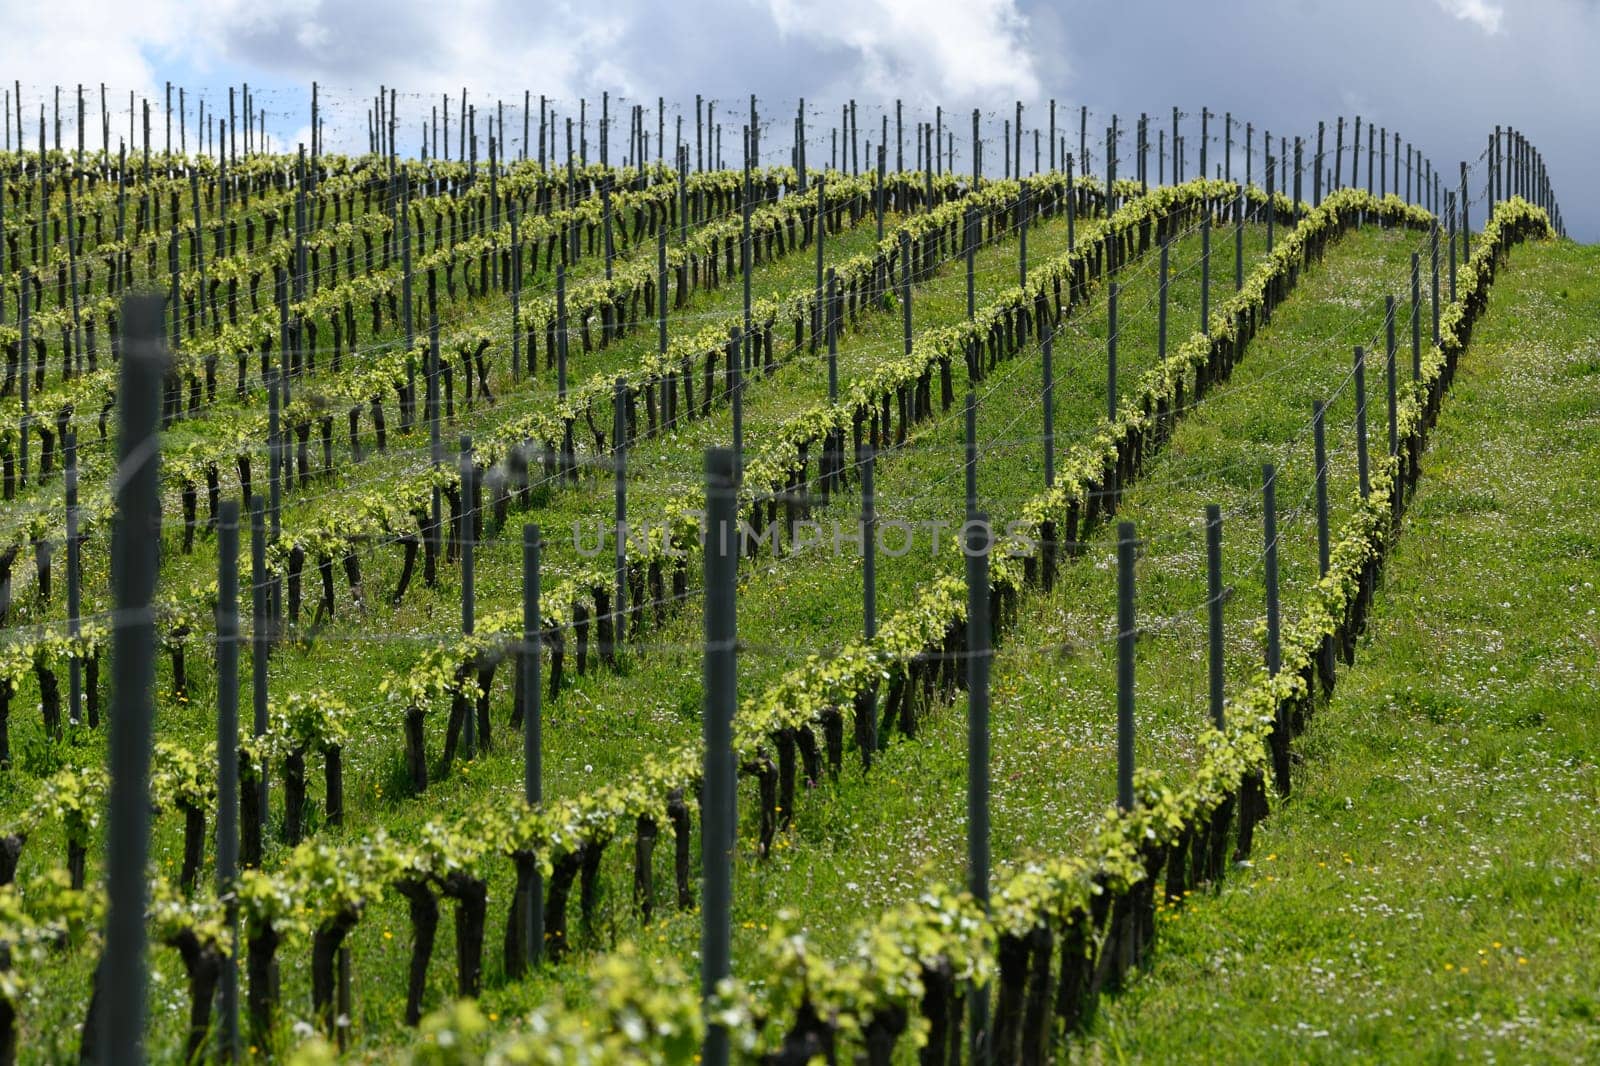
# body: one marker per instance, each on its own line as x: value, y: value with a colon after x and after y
x: 1447, y: 794
x: 660, y: 468
x: 608, y: 737
x: 875, y: 840
x: 408, y: 450
x: 1428, y: 893
x: 856, y: 846
x: 372, y: 757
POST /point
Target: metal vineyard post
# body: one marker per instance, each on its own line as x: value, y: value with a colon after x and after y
x: 136, y: 544
x: 721, y: 699
x: 1214, y: 629
x: 977, y: 543
x: 1127, y: 549
x: 228, y: 764
x: 1280, y: 729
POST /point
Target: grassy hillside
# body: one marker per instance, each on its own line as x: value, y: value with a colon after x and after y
x: 1429, y: 892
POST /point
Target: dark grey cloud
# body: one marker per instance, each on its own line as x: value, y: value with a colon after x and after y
x: 1441, y: 80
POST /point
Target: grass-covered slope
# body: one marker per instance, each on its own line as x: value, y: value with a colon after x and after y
x: 1432, y: 891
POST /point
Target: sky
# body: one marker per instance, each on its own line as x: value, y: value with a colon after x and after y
x: 1442, y: 72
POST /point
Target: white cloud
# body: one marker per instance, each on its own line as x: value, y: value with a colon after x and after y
x: 84, y: 38
x: 95, y: 42
x: 923, y: 49
x: 1481, y: 13
x: 484, y: 44
x: 954, y: 52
